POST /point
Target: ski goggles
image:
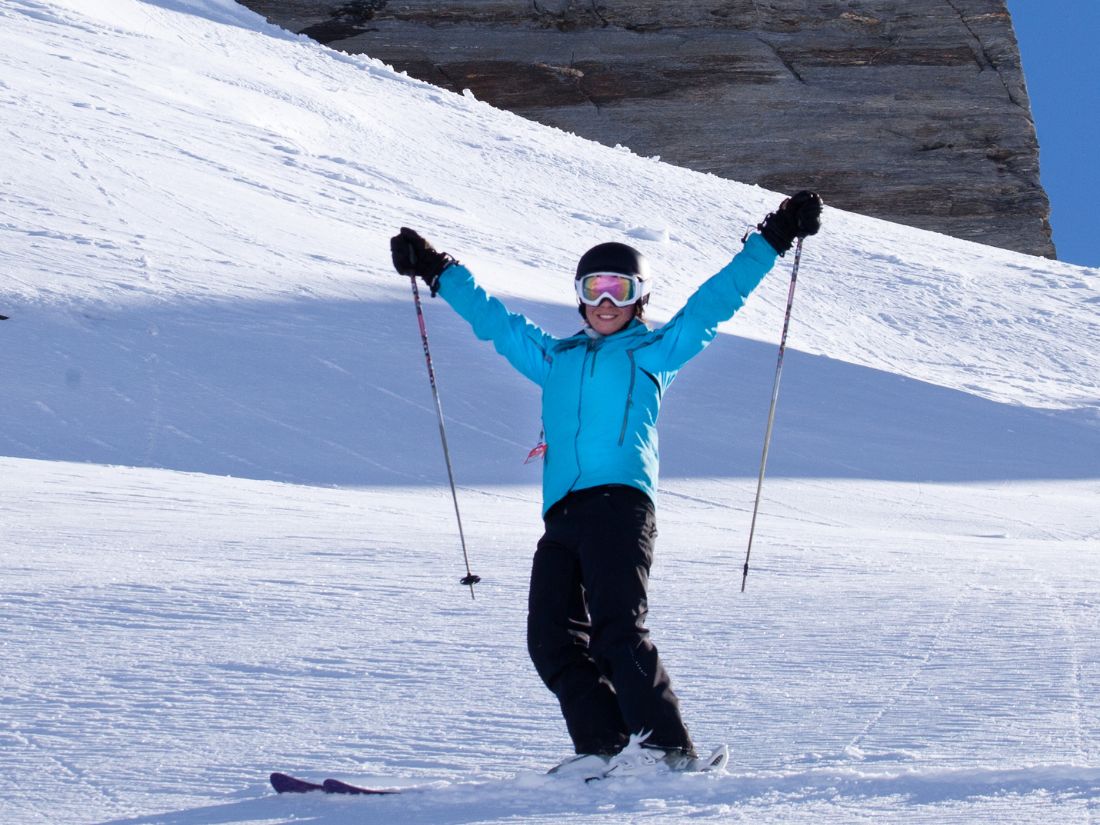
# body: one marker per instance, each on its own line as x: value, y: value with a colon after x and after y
x: 621, y: 290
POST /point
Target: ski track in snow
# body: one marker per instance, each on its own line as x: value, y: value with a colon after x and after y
x: 223, y: 628
x: 229, y: 548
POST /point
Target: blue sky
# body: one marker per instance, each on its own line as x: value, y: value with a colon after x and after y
x: 1058, y: 43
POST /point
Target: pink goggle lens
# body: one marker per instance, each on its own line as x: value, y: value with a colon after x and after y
x: 620, y: 289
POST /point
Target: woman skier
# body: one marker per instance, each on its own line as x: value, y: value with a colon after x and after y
x: 601, y: 393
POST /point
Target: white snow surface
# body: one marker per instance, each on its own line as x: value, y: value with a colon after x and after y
x: 228, y: 546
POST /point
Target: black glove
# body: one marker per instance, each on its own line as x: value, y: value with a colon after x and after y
x: 797, y: 217
x: 412, y: 255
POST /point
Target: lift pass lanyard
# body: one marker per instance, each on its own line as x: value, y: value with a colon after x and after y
x: 539, y: 450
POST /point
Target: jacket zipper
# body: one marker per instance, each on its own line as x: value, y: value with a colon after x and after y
x: 580, y: 403
x: 629, y: 397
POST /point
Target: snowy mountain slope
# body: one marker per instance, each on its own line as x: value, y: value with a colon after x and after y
x: 911, y: 654
x: 162, y: 210
x: 195, y: 209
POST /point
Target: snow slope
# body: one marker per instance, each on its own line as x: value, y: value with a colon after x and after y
x: 228, y: 547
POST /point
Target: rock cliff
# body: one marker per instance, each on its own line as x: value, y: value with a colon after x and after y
x: 913, y: 111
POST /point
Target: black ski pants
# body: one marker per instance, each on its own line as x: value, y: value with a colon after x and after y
x: 586, y: 616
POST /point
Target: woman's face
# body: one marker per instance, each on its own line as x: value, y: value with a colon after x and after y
x: 607, y: 318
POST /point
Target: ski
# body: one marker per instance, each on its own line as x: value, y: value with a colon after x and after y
x: 582, y: 768
x: 336, y: 786
x: 642, y: 763
x: 284, y: 783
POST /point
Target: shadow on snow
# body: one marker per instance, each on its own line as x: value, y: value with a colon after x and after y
x: 336, y: 393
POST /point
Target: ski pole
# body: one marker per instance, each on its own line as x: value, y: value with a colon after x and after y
x: 469, y: 579
x: 771, y: 412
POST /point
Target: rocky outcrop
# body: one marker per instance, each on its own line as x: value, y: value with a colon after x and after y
x: 912, y: 111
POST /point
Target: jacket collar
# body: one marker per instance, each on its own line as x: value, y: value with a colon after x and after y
x: 633, y: 327
x: 588, y: 336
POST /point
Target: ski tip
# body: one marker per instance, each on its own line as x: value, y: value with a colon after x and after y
x: 283, y: 783
x: 336, y: 786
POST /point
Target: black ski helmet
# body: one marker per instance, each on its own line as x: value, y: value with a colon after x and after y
x: 614, y: 257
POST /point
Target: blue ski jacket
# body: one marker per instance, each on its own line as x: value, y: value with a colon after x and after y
x: 601, y: 394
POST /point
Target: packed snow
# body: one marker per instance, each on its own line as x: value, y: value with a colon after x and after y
x: 229, y: 546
